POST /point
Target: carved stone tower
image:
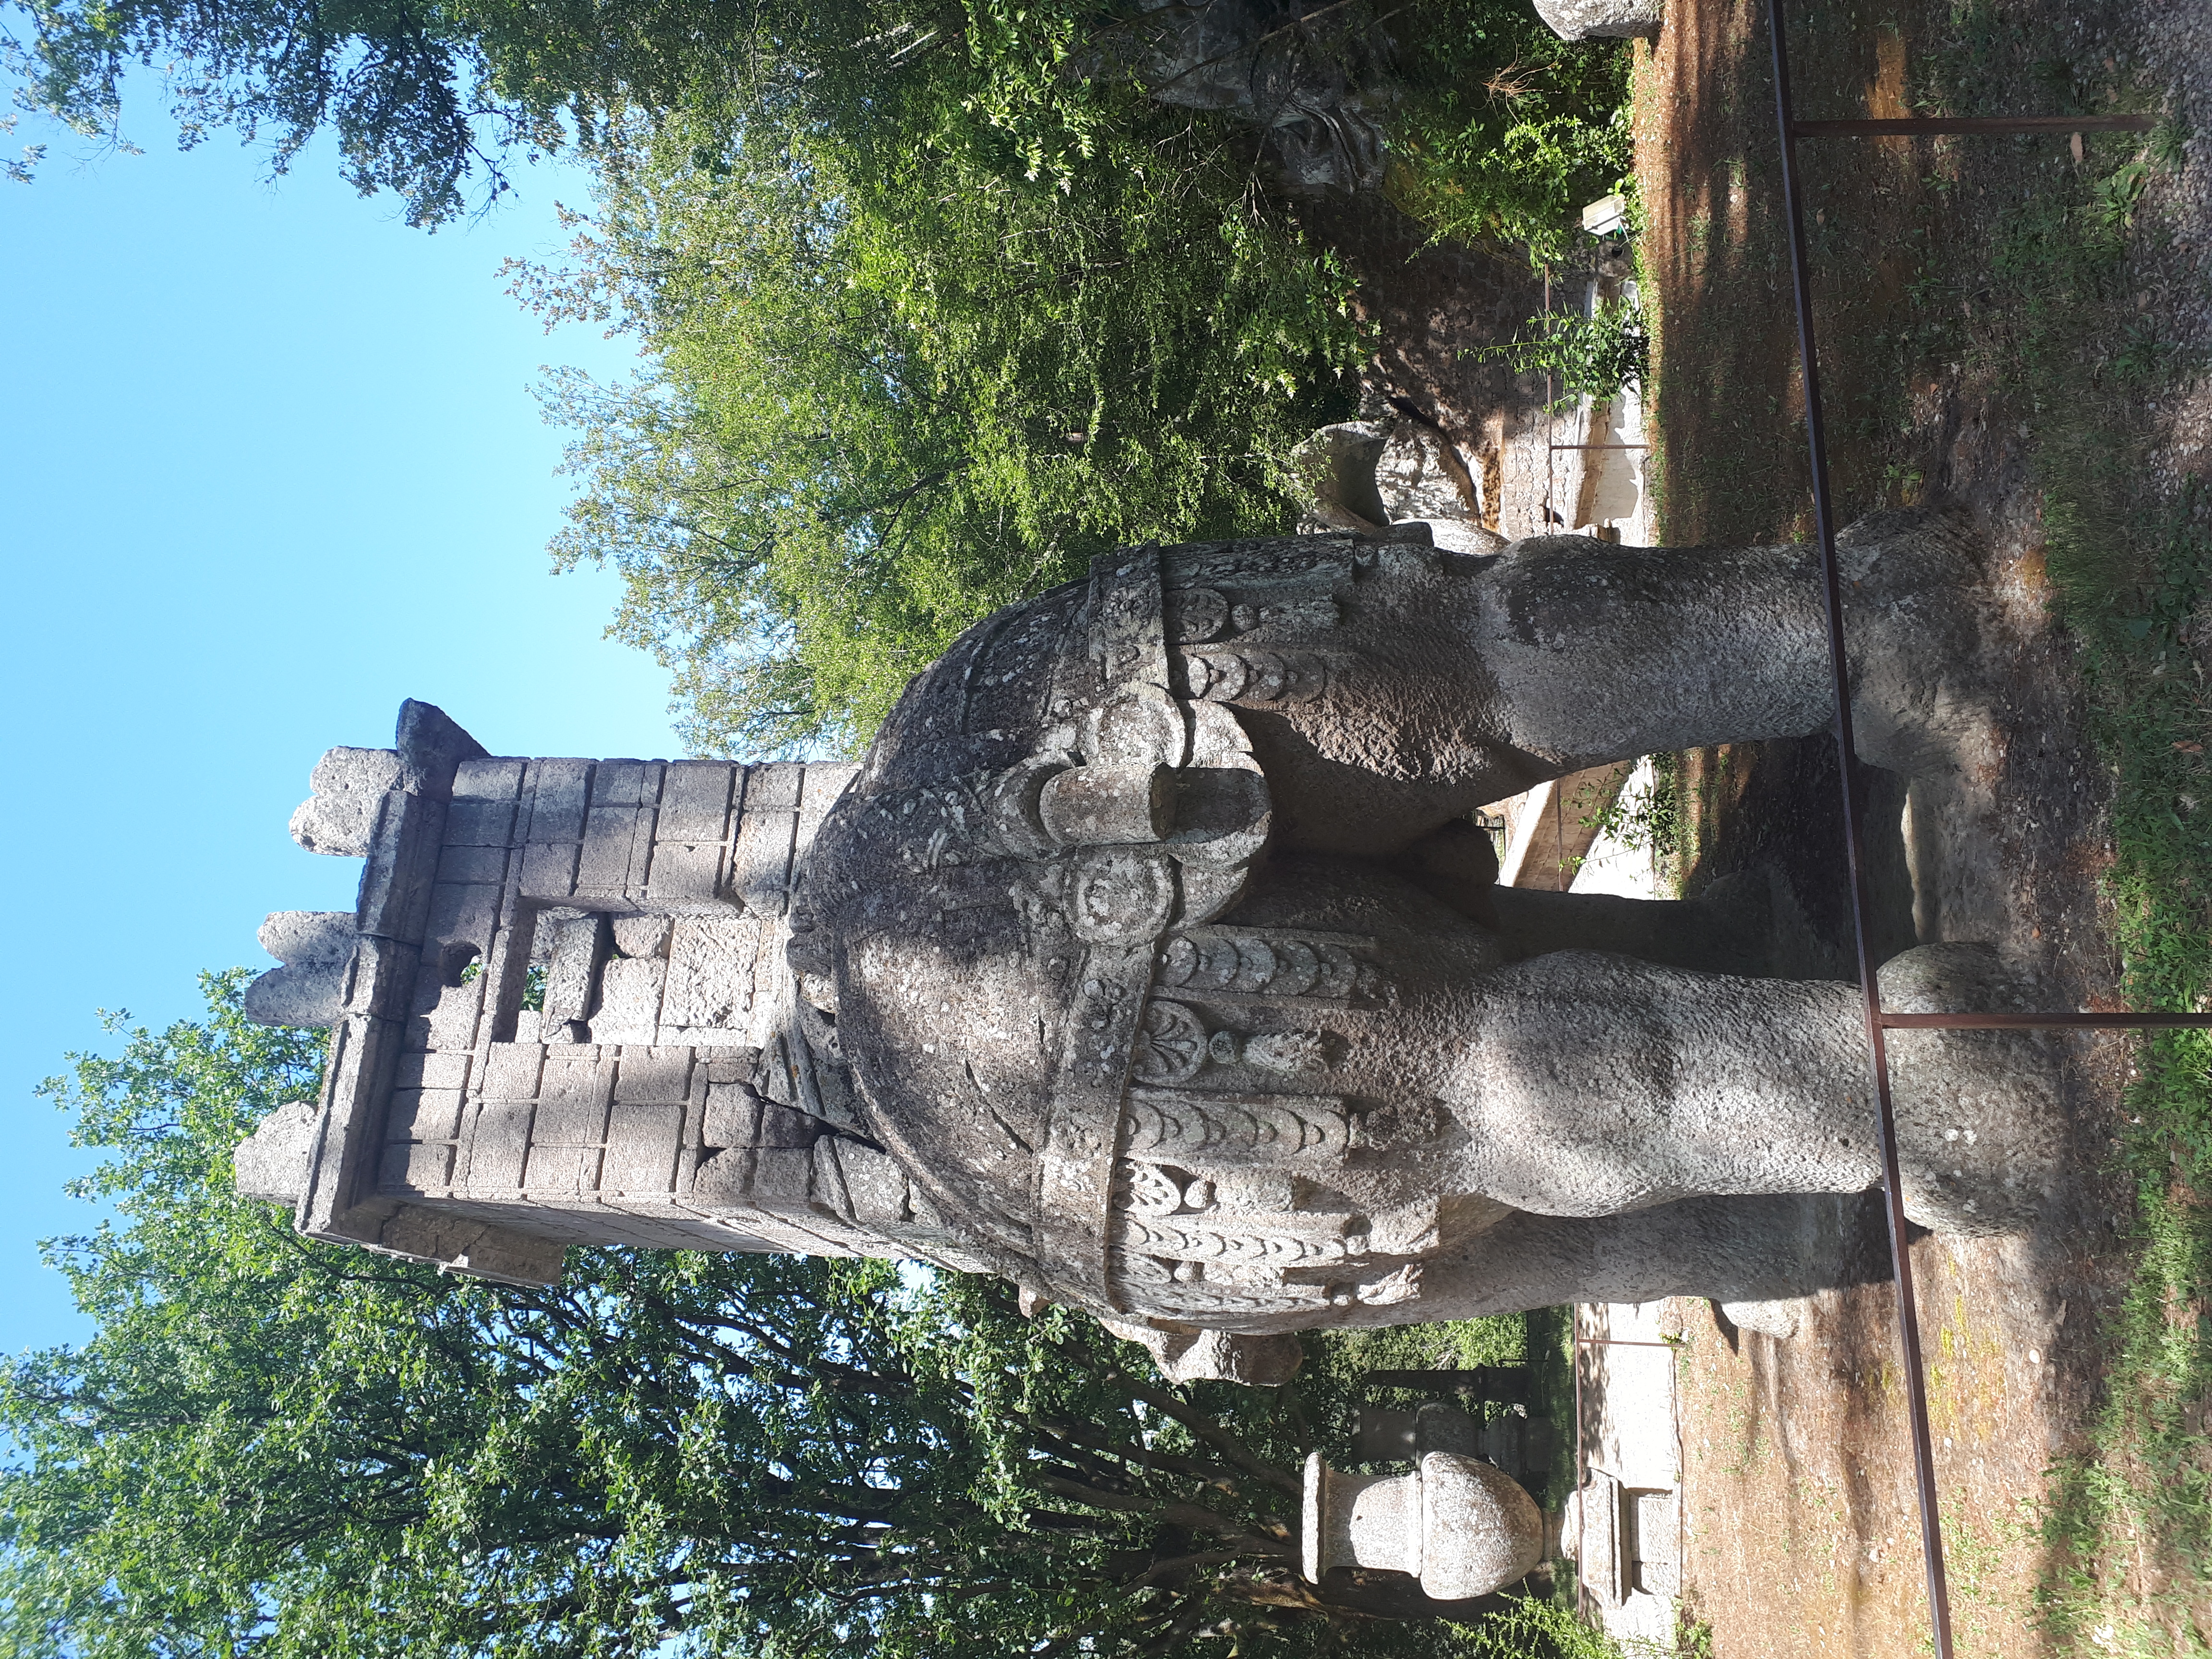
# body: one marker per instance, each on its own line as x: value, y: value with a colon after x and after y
x: 561, y: 1014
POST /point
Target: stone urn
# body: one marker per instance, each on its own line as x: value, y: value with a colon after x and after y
x: 1461, y: 1526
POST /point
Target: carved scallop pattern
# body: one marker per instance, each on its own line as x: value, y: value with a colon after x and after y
x: 1198, y: 1289
x: 1137, y: 1269
x: 1200, y: 1301
x: 1279, y: 965
x: 1250, y: 676
x: 1302, y: 1241
x: 1173, y: 1126
x: 1313, y: 562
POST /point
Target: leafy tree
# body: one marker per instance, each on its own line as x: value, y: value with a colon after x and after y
x: 1506, y: 131
x: 895, y: 386
x: 1587, y: 356
x: 939, y: 298
x: 272, y: 1447
x: 421, y: 95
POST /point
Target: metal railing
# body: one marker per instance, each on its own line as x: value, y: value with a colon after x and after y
x: 1879, y: 1021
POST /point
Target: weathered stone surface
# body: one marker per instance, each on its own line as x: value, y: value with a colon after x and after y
x: 316, y: 949
x: 1978, y: 1125
x: 1778, y: 1318
x: 1481, y: 1530
x: 572, y: 976
x: 1147, y: 959
x: 1383, y: 688
x: 1384, y: 478
x: 1462, y: 1526
x: 432, y: 749
x: 1623, y: 1539
x: 271, y: 1163
x: 1602, y: 20
x: 1335, y: 470
x: 710, y: 974
x: 350, y: 786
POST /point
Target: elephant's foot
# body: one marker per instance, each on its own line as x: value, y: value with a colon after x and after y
x: 1925, y: 693
x: 1978, y: 1113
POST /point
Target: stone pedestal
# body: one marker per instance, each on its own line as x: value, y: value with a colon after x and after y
x: 1623, y: 1539
x: 1522, y: 1446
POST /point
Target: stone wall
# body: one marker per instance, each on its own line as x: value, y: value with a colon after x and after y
x: 627, y: 1144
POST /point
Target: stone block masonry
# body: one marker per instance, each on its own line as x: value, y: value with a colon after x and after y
x: 640, y: 905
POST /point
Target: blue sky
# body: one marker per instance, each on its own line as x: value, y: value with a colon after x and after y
x: 268, y: 463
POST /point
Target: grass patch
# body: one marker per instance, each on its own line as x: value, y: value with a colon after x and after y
x: 2132, y: 1516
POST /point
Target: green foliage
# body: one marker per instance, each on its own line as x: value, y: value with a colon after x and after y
x: 1332, y: 1381
x: 422, y: 97
x: 405, y: 89
x: 935, y: 315
x: 273, y: 1447
x: 937, y: 301
x: 1591, y: 357
x: 1533, y: 1626
x: 897, y: 383
x: 1649, y: 815
x: 1507, y: 131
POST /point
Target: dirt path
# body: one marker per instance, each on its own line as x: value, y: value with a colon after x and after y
x: 1803, y: 1535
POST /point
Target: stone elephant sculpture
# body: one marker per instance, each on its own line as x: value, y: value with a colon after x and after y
x: 1164, y: 960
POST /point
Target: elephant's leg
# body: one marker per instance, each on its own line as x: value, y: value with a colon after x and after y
x: 1592, y: 1084
x: 1589, y: 1084
x: 1600, y: 654
x: 1723, y: 931
x: 1730, y: 1249
x: 1441, y: 682
x: 1581, y: 1084
x: 1578, y: 1084
x: 1423, y: 684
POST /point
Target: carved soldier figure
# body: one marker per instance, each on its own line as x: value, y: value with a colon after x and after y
x: 1149, y: 960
